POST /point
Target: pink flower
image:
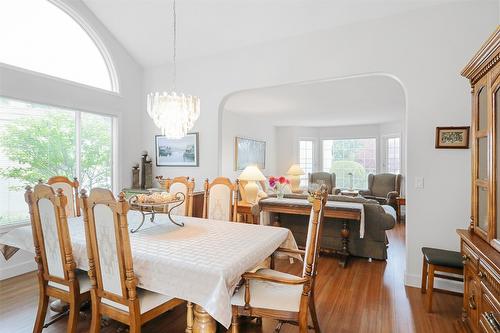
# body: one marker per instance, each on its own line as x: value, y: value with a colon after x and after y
x: 272, y: 179
x: 282, y: 180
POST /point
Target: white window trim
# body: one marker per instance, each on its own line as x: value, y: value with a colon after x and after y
x: 352, y: 138
x: 315, y: 152
x: 100, y: 45
x: 114, y: 150
x: 383, y: 150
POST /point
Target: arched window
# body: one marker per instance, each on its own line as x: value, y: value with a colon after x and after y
x: 39, y: 36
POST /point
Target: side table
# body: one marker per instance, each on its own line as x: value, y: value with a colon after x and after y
x: 400, y: 201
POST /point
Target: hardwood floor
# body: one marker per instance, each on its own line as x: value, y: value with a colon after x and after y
x: 365, y: 297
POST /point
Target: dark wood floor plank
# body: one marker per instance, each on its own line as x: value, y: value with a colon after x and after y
x: 364, y: 297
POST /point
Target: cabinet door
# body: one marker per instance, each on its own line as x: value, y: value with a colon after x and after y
x: 495, y: 222
x: 472, y: 292
x: 481, y: 129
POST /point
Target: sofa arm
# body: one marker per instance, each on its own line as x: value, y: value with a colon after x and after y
x: 336, y: 191
x: 388, y: 217
x: 391, y: 197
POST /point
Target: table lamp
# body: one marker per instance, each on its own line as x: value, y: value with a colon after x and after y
x: 295, y: 172
x: 251, y: 174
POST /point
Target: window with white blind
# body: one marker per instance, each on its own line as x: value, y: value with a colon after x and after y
x: 40, y: 141
x: 306, y: 159
x: 351, y: 160
x: 392, y: 154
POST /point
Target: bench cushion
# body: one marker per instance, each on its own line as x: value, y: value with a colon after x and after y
x: 442, y: 257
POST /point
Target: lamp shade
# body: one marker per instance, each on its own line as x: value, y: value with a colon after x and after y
x: 295, y: 170
x: 251, y: 172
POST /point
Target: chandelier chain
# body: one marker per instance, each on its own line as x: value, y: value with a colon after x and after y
x: 175, y: 47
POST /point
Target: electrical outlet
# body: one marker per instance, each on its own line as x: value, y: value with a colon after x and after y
x: 419, y: 182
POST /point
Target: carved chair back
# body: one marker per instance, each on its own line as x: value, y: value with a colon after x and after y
x: 108, y: 249
x: 53, y: 251
x: 70, y: 188
x: 221, y: 199
x: 186, y: 187
x: 315, y: 229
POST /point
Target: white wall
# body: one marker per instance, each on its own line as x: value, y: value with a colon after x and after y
x: 424, y: 49
x: 234, y: 125
x: 126, y: 106
x: 287, y: 141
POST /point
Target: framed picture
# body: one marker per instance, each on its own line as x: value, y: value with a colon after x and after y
x: 452, y: 137
x: 177, y: 152
x: 249, y: 152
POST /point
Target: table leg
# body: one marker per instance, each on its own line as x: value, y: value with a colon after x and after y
x: 203, y: 322
x: 344, y: 253
x: 398, y: 211
x: 276, y: 222
x: 189, y: 318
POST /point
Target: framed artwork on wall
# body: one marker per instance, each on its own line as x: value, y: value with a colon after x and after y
x: 452, y: 137
x: 249, y: 152
x: 182, y: 152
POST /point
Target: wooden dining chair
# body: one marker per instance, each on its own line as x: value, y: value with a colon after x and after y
x: 70, y: 188
x: 57, y: 274
x: 114, y: 293
x: 186, y: 187
x: 282, y: 296
x: 221, y: 199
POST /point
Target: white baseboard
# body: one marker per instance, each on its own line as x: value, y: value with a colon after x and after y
x: 17, y: 269
x: 413, y: 280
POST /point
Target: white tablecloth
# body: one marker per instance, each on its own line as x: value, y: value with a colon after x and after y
x: 201, y: 262
x: 266, y: 220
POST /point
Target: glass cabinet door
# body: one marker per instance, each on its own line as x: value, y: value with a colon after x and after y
x: 482, y: 163
x: 496, y: 106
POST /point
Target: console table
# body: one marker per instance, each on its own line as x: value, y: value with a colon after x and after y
x: 333, y: 209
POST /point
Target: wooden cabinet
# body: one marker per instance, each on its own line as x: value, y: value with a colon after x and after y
x: 480, y: 244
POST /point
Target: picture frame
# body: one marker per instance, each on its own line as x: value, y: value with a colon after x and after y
x: 182, y: 152
x: 249, y: 152
x: 452, y: 137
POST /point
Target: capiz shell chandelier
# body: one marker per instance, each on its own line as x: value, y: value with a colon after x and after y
x: 175, y: 114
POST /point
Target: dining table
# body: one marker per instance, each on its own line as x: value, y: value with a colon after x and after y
x: 200, y: 262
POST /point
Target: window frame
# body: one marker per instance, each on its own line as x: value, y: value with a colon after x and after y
x: 99, y: 44
x: 314, y: 161
x: 77, y: 114
x: 377, y: 140
x: 384, y: 153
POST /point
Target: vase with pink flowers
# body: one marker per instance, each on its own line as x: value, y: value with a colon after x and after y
x: 278, y: 184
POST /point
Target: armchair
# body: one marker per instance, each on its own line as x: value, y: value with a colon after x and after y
x: 329, y: 179
x: 285, y: 297
x: 384, y: 188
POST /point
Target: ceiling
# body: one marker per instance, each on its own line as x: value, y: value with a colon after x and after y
x: 207, y: 27
x: 373, y: 99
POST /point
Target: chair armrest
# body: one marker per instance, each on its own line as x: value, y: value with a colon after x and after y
x: 294, y: 251
x: 336, y: 191
x: 365, y: 192
x: 276, y: 279
x: 392, y: 195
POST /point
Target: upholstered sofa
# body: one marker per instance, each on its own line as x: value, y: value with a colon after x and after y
x: 378, y: 219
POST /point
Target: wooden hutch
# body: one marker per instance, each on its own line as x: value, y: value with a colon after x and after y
x: 480, y: 244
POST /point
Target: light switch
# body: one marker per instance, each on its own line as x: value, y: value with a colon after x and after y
x: 419, y: 182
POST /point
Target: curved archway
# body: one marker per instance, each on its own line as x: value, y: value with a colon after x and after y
x: 68, y: 48
x: 265, y: 94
